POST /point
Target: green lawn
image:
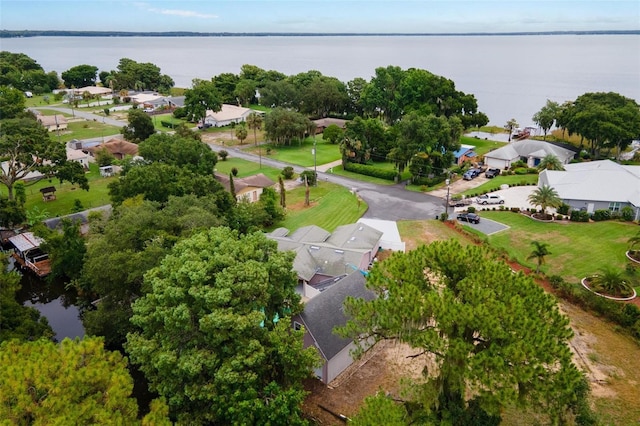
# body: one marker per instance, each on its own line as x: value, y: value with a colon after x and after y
x: 66, y: 194
x: 301, y: 154
x: 577, y: 249
x: 246, y: 168
x: 331, y: 206
x: 482, y: 146
x: 494, y: 184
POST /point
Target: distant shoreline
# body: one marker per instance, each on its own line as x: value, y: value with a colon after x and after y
x: 65, y: 33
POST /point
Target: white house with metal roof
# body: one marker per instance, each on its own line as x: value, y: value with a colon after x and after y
x: 596, y: 185
x: 530, y: 151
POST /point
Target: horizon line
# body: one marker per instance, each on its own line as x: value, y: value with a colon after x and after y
x: 65, y: 33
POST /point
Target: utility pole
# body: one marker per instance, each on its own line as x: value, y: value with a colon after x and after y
x: 315, y: 171
x: 446, y: 206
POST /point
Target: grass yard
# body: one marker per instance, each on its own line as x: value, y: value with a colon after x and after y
x: 577, y: 249
x: 482, y: 146
x: 66, y: 194
x: 302, y: 154
x: 330, y: 206
x: 338, y: 170
x: 246, y: 168
x: 494, y: 184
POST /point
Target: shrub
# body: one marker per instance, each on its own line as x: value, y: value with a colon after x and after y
x: 310, y: 176
x: 223, y: 154
x: 521, y: 171
x: 579, y: 216
x: 532, y: 171
x: 515, y: 209
x: 287, y: 172
x: 518, y: 164
x: 234, y: 171
x: 77, y: 206
x: 626, y: 213
x: 471, y: 209
x: 602, y: 214
x: 563, y: 209
x: 366, y: 170
x: 180, y: 113
x: 107, y: 111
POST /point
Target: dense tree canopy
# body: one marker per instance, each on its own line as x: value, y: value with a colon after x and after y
x: 546, y: 117
x: 74, y: 382
x: 80, y: 76
x: 215, y: 339
x: 496, y: 338
x: 12, y: 102
x: 606, y: 120
x: 23, y: 73
x: 140, y: 76
x: 140, y: 126
x: 188, y: 153
x: 283, y: 126
x: 204, y: 96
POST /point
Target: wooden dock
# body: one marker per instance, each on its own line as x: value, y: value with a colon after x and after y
x: 41, y: 268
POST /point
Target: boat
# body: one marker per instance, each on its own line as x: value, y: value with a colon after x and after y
x: 28, y: 254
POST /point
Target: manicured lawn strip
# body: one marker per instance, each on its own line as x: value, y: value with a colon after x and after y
x: 577, y: 249
x: 482, y: 146
x: 338, y: 170
x: 331, y: 206
x: 301, y: 155
x: 494, y: 184
x: 159, y: 118
x: 246, y: 168
x: 86, y: 130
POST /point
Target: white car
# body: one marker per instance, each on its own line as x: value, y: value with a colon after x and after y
x: 489, y: 199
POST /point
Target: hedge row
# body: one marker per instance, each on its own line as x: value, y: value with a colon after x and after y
x: 364, y: 169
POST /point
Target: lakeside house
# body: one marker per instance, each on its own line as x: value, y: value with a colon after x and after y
x: 596, y: 185
x: 530, y: 151
x: 323, y: 123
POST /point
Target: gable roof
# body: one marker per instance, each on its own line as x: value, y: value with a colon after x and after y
x: 464, y: 149
x: 228, y: 112
x: 320, y: 252
x: 602, y: 180
x: 26, y: 241
x: 239, y: 184
x: 530, y: 148
x: 323, y: 123
x: 93, y: 90
x: 325, y: 312
x: 116, y: 146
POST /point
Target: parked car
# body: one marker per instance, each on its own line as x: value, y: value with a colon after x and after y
x: 489, y: 199
x: 491, y: 173
x: 468, y: 217
x: 460, y: 202
x: 471, y: 173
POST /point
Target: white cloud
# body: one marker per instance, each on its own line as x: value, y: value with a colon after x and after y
x: 176, y: 12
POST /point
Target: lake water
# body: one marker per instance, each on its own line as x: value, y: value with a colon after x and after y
x: 510, y: 76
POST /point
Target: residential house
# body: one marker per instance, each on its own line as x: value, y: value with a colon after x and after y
x: 249, y: 188
x: 465, y: 153
x: 320, y: 317
x: 530, y: 151
x: 323, y: 123
x: 118, y: 147
x: 93, y: 90
x: 78, y: 156
x: 228, y: 114
x: 53, y: 122
x: 322, y: 256
x: 165, y: 103
x: 596, y: 185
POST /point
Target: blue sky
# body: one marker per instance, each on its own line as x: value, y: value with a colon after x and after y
x: 413, y: 16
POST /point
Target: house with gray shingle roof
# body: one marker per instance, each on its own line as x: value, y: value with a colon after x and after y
x: 249, y: 188
x: 596, y: 185
x: 530, y: 151
x: 320, y: 317
x: 321, y: 256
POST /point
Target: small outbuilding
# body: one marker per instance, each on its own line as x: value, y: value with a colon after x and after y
x: 48, y: 193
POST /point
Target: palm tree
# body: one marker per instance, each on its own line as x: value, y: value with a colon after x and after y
x: 545, y: 196
x: 254, y: 121
x: 540, y: 250
x: 241, y: 132
x: 550, y: 162
x: 511, y: 124
x: 634, y: 241
x: 610, y: 281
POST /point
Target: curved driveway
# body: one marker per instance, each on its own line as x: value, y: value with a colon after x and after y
x: 386, y: 202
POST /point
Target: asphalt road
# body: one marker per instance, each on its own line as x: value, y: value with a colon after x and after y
x: 386, y: 202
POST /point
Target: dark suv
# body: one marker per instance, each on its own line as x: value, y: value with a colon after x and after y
x: 468, y: 217
x: 491, y: 173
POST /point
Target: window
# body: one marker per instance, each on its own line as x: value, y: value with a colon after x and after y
x: 614, y: 207
x: 297, y: 325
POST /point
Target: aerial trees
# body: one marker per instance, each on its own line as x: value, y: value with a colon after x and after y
x: 80, y: 76
x: 282, y: 126
x: 202, y: 97
x: 539, y: 252
x: 606, y: 120
x: 140, y: 126
x: 550, y: 162
x: 12, y: 102
x: 214, y: 336
x: 74, y: 382
x: 546, y: 117
x: 545, y: 196
x: 146, y: 76
x: 254, y: 121
x: 496, y: 338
